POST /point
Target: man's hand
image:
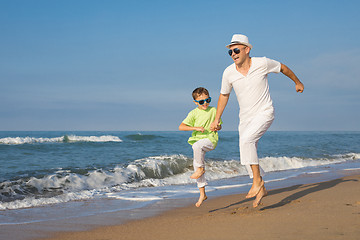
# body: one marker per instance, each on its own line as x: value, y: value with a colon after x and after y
x: 299, y: 87
x: 290, y: 74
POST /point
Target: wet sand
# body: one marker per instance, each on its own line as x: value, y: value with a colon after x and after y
x: 324, y: 210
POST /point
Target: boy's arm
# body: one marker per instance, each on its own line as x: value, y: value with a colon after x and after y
x: 290, y: 74
x: 184, y: 127
x: 223, y: 100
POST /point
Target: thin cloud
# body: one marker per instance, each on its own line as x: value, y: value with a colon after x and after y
x: 337, y: 70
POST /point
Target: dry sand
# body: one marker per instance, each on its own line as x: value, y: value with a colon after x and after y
x: 326, y: 210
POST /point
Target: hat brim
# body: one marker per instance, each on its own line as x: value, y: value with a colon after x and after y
x: 241, y: 43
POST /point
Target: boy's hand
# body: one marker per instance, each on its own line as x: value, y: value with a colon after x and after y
x: 200, y: 129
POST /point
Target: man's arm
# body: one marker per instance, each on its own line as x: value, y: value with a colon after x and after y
x: 223, y: 100
x: 290, y: 74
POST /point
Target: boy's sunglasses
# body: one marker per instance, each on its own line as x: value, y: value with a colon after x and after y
x: 201, y: 102
x: 236, y: 51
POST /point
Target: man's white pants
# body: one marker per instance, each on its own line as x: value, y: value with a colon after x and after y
x: 200, y: 148
x: 250, y: 133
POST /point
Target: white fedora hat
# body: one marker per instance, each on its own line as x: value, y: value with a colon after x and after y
x: 239, y: 39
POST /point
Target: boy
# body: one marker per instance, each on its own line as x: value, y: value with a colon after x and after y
x: 202, y: 139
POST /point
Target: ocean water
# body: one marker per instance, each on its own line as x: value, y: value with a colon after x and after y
x: 71, y: 171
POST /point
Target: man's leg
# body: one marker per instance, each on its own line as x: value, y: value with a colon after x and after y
x: 250, y: 133
x: 263, y: 193
x: 258, y: 187
x: 258, y: 182
x: 250, y: 172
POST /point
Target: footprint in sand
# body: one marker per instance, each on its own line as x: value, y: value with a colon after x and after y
x: 241, y: 210
x: 353, y: 205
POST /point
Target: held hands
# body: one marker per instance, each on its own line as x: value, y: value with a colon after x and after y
x: 201, y: 129
x: 215, y: 126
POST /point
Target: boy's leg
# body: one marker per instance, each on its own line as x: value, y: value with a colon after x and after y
x: 198, y: 173
x: 200, y: 148
x: 202, y: 197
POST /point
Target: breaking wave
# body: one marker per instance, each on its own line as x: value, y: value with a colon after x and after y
x: 66, y: 185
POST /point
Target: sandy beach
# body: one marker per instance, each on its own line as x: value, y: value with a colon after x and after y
x: 325, y: 210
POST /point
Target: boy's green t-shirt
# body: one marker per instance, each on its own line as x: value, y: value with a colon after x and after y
x: 202, y: 118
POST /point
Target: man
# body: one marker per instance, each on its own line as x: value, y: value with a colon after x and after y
x: 248, y: 77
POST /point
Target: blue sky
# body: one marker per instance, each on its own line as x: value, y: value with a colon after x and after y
x: 132, y: 65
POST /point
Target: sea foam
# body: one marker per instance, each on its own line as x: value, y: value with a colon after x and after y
x: 66, y: 138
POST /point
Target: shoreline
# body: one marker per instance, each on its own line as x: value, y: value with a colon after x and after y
x: 323, y: 210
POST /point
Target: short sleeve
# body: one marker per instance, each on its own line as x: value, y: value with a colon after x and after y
x: 226, y: 86
x: 273, y: 66
x: 190, y: 119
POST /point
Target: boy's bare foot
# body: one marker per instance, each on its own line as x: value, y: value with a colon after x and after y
x: 200, y: 201
x: 262, y: 193
x: 198, y: 173
x: 255, y: 189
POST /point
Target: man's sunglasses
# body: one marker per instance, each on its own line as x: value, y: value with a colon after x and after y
x: 201, y: 102
x: 236, y: 51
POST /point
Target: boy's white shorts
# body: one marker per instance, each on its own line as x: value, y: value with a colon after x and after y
x: 199, y: 149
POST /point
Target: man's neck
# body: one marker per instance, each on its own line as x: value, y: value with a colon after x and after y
x: 244, y: 67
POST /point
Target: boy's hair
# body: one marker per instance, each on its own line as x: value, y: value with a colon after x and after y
x: 198, y: 91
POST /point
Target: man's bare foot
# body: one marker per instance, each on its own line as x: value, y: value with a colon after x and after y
x: 198, y: 173
x: 263, y: 193
x: 200, y: 201
x: 255, y: 189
